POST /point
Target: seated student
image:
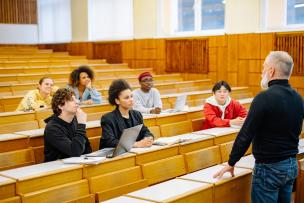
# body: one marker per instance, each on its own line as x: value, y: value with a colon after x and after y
x: 65, y: 131
x: 113, y: 123
x: 146, y: 98
x: 222, y: 111
x: 81, y: 83
x: 39, y: 98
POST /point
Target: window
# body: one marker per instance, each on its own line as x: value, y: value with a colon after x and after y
x: 282, y: 15
x: 185, y: 15
x: 199, y: 15
x: 54, y: 21
x: 213, y: 14
x: 295, y: 12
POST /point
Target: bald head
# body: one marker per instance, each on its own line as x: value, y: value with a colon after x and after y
x: 282, y: 62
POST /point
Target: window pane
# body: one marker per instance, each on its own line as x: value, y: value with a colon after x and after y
x: 295, y: 11
x: 213, y: 14
x: 185, y: 15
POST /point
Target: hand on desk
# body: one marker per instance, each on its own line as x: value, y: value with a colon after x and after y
x: 146, y: 142
x: 237, y: 121
x: 220, y: 173
x: 156, y: 110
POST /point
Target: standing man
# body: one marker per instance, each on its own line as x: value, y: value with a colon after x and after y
x: 273, y: 125
x: 147, y: 99
x: 65, y: 132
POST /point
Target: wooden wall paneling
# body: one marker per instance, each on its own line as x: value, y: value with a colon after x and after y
x: 194, y: 76
x: 249, y: 46
x: 297, y: 81
x: 128, y: 52
x: 127, y: 48
x: 218, y: 41
x: 255, y: 66
x: 243, y: 73
x: 160, y: 49
x: 130, y: 62
x: 33, y: 18
x: 212, y: 76
x: 173, y: 55
x: 160, y: 66
x: 255, y: 89
x: 293, y: 44
x: 57, y: 47
x: 18, y: 11
x: 145, y: 49
x: 81, y: 49
x: 232, y: 78
x: 187, y: 56
x: 200, y: 56
x: 212, y: 59
x: 111, y: 51
x: 232, y: 53
x: 267, y: 44
x: 221, y: 63
x: 254, y: 79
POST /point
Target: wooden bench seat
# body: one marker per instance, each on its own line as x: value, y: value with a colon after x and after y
x: 16, y: 158
x: 61, y: 193
x: 43, y: 176
x: 228, y: 189
x: 12, y: 142
x: 176, y: 191
x: 8, y: 190
x: 200, y: 159
x: 164, y: 169
x: 176, y: 128
x: 117, y: 183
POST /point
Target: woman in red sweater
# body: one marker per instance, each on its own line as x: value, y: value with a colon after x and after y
x: 222, y: 111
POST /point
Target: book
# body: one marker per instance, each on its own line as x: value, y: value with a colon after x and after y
x: 83, y: 160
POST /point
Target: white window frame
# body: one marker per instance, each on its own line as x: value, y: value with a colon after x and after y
x: 284, y: 26
x: 197, y: 22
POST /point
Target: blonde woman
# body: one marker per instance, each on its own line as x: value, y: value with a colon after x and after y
x: 39, y: 98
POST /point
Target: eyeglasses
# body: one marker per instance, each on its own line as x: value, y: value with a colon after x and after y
x: 147, y: 80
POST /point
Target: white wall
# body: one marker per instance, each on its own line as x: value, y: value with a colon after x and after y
x: 242, y: 16
x: 79, y: 20
x: 145, y: 18
x: 18, y: 34
x: 110, y: 19
x: 54, y: 21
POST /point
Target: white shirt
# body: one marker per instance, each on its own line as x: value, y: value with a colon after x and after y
x: 144, y: 102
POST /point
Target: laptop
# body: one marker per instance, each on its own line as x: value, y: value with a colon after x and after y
x: 179, y: 104
x: 125, y: 144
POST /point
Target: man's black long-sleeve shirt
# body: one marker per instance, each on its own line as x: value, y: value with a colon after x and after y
x: 63, y: 140
x: 273, y: 124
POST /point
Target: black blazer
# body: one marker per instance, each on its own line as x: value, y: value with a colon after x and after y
x: 112, y: 125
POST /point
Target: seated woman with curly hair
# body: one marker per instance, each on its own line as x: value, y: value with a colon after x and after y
x: 81, y: 84
x: 113, y: 123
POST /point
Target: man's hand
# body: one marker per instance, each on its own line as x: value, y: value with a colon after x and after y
x: 81, y: 116
x: 156, y: 110
x: 146, y: 142
x: 220, y: 173
x: 237, y: 121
